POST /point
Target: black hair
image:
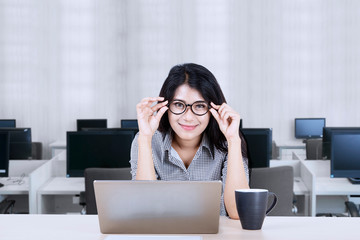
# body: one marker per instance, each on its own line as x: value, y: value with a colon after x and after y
x: 201, y: 79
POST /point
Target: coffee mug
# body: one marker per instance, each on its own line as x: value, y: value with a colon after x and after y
x: 252, y: 206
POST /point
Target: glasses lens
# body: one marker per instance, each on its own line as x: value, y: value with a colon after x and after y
x: 177, y: 107
x: 200, y: 108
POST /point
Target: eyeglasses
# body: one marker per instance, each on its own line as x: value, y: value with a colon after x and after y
x: 178, y: 107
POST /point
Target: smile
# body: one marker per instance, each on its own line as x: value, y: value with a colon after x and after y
x: 188, y: 127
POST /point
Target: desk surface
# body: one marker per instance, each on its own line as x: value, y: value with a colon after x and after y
x: 58, y: 144
x: 329, y: 186
x: 14, y: 186
x: 39, y: 227
x: 62, y: 185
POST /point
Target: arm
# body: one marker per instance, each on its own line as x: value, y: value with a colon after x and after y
x: 236, y: 177
x: 148, y: 123
x: 229, y: 121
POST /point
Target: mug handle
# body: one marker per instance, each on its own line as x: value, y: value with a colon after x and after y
x: 273, y: 203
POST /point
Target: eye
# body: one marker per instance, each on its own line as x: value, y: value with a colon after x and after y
x: 179, y: 105
x: 200, y: 105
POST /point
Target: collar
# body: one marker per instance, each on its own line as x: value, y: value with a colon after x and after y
x: 205, y: 144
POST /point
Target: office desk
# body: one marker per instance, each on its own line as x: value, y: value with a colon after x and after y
x: 328, y: 194
x: 14, y: 186
x: 57, y: 192
x: 289, y: 145
x: 58, y: 145
x: 19, y: 186
x: 77, y: 227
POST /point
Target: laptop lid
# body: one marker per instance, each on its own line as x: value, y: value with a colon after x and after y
x: 158, y: 207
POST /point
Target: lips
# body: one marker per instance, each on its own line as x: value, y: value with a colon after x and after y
x: 188, y: 127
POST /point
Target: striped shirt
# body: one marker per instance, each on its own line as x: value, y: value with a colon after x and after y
x: 208, y: 164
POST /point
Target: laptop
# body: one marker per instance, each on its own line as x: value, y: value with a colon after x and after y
x: 158, y: 207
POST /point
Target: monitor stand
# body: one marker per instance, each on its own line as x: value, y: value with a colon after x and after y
x: 354, y: 180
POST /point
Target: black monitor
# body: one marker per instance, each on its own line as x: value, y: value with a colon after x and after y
x: 7, y: 123
x: 4, y: 154
x: 259, y: 144
x: 101, y: 149
x: 20, y: 142
x: 90, y: 123
x: 309, y: 127
x: 327, y: 138
x: 134, y: 130
x: 129, y: 123
x: 345, y: 155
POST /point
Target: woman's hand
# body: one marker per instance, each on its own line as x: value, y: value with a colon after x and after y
x: 149, y: 115
x: 228, y: 120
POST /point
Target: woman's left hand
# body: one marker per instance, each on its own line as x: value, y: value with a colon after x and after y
x: 228, y: 120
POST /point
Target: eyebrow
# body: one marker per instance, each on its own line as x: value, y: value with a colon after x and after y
x: 176, y: 99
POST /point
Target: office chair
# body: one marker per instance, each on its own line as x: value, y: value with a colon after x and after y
x: 313, y: 149
x: 275, y: 150
x: 36, y: 150
x: 6, y: 206
x: 279, y: 180
x: 352, y: 209
x: 92, y: 174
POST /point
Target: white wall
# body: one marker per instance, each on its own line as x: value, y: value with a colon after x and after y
x: 275, y: 60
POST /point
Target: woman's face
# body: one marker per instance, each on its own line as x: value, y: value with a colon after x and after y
x: 187, y: 125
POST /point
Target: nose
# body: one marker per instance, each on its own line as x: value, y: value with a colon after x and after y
x: 188, y: 114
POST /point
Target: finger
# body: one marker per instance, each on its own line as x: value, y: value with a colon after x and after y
x: 142, y: 107
x: 159, y: 105
x: 215, y: 114
x: 214, y: 105
x: 231, y: 115
x: 223, y: 112
x: 160, y: 113
x: 223, y: 107
x: 152, y: 99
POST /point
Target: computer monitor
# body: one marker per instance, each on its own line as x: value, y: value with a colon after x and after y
x: 20, y: 142
x: 134, y: 130
x: 100, y: 149
x: 7, y: 123
x: 327, y: 138
x: 129, y: 123
x: 309, y: 127
x: 345, y: 155
x: 90, y: 123
x: 4, y: 154
x: 259, y: 144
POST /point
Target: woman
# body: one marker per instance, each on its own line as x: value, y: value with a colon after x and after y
x: 190, y: 133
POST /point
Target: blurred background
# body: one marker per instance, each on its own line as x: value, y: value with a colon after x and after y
x: 275, y: 60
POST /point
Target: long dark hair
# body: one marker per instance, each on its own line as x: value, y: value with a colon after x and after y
x: 201, y: 79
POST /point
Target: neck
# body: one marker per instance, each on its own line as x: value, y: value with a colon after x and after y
x: 186, y: 144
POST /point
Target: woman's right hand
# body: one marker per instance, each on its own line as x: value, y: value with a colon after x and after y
x: 149, y: 115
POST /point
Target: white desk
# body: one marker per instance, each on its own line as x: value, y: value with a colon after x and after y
x: 69, y: 227
x: 328, y: 193
x: 63, y: 186
x: 15, y: 186
x: 55, y: 146
x: 19, y: 186
x: 56, y: 195
x: 288, y: 145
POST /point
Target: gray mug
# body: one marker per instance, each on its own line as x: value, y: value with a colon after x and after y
x: 252, y: 206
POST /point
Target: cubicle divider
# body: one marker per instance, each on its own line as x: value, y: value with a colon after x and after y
x: 57, y: 194
x: 17, y: 185
x: 327, y: 195
x: 38, y: 178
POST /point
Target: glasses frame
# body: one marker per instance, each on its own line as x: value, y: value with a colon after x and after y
x: 188, y: 105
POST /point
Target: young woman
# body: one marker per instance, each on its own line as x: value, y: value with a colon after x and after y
x: 190, y: 133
